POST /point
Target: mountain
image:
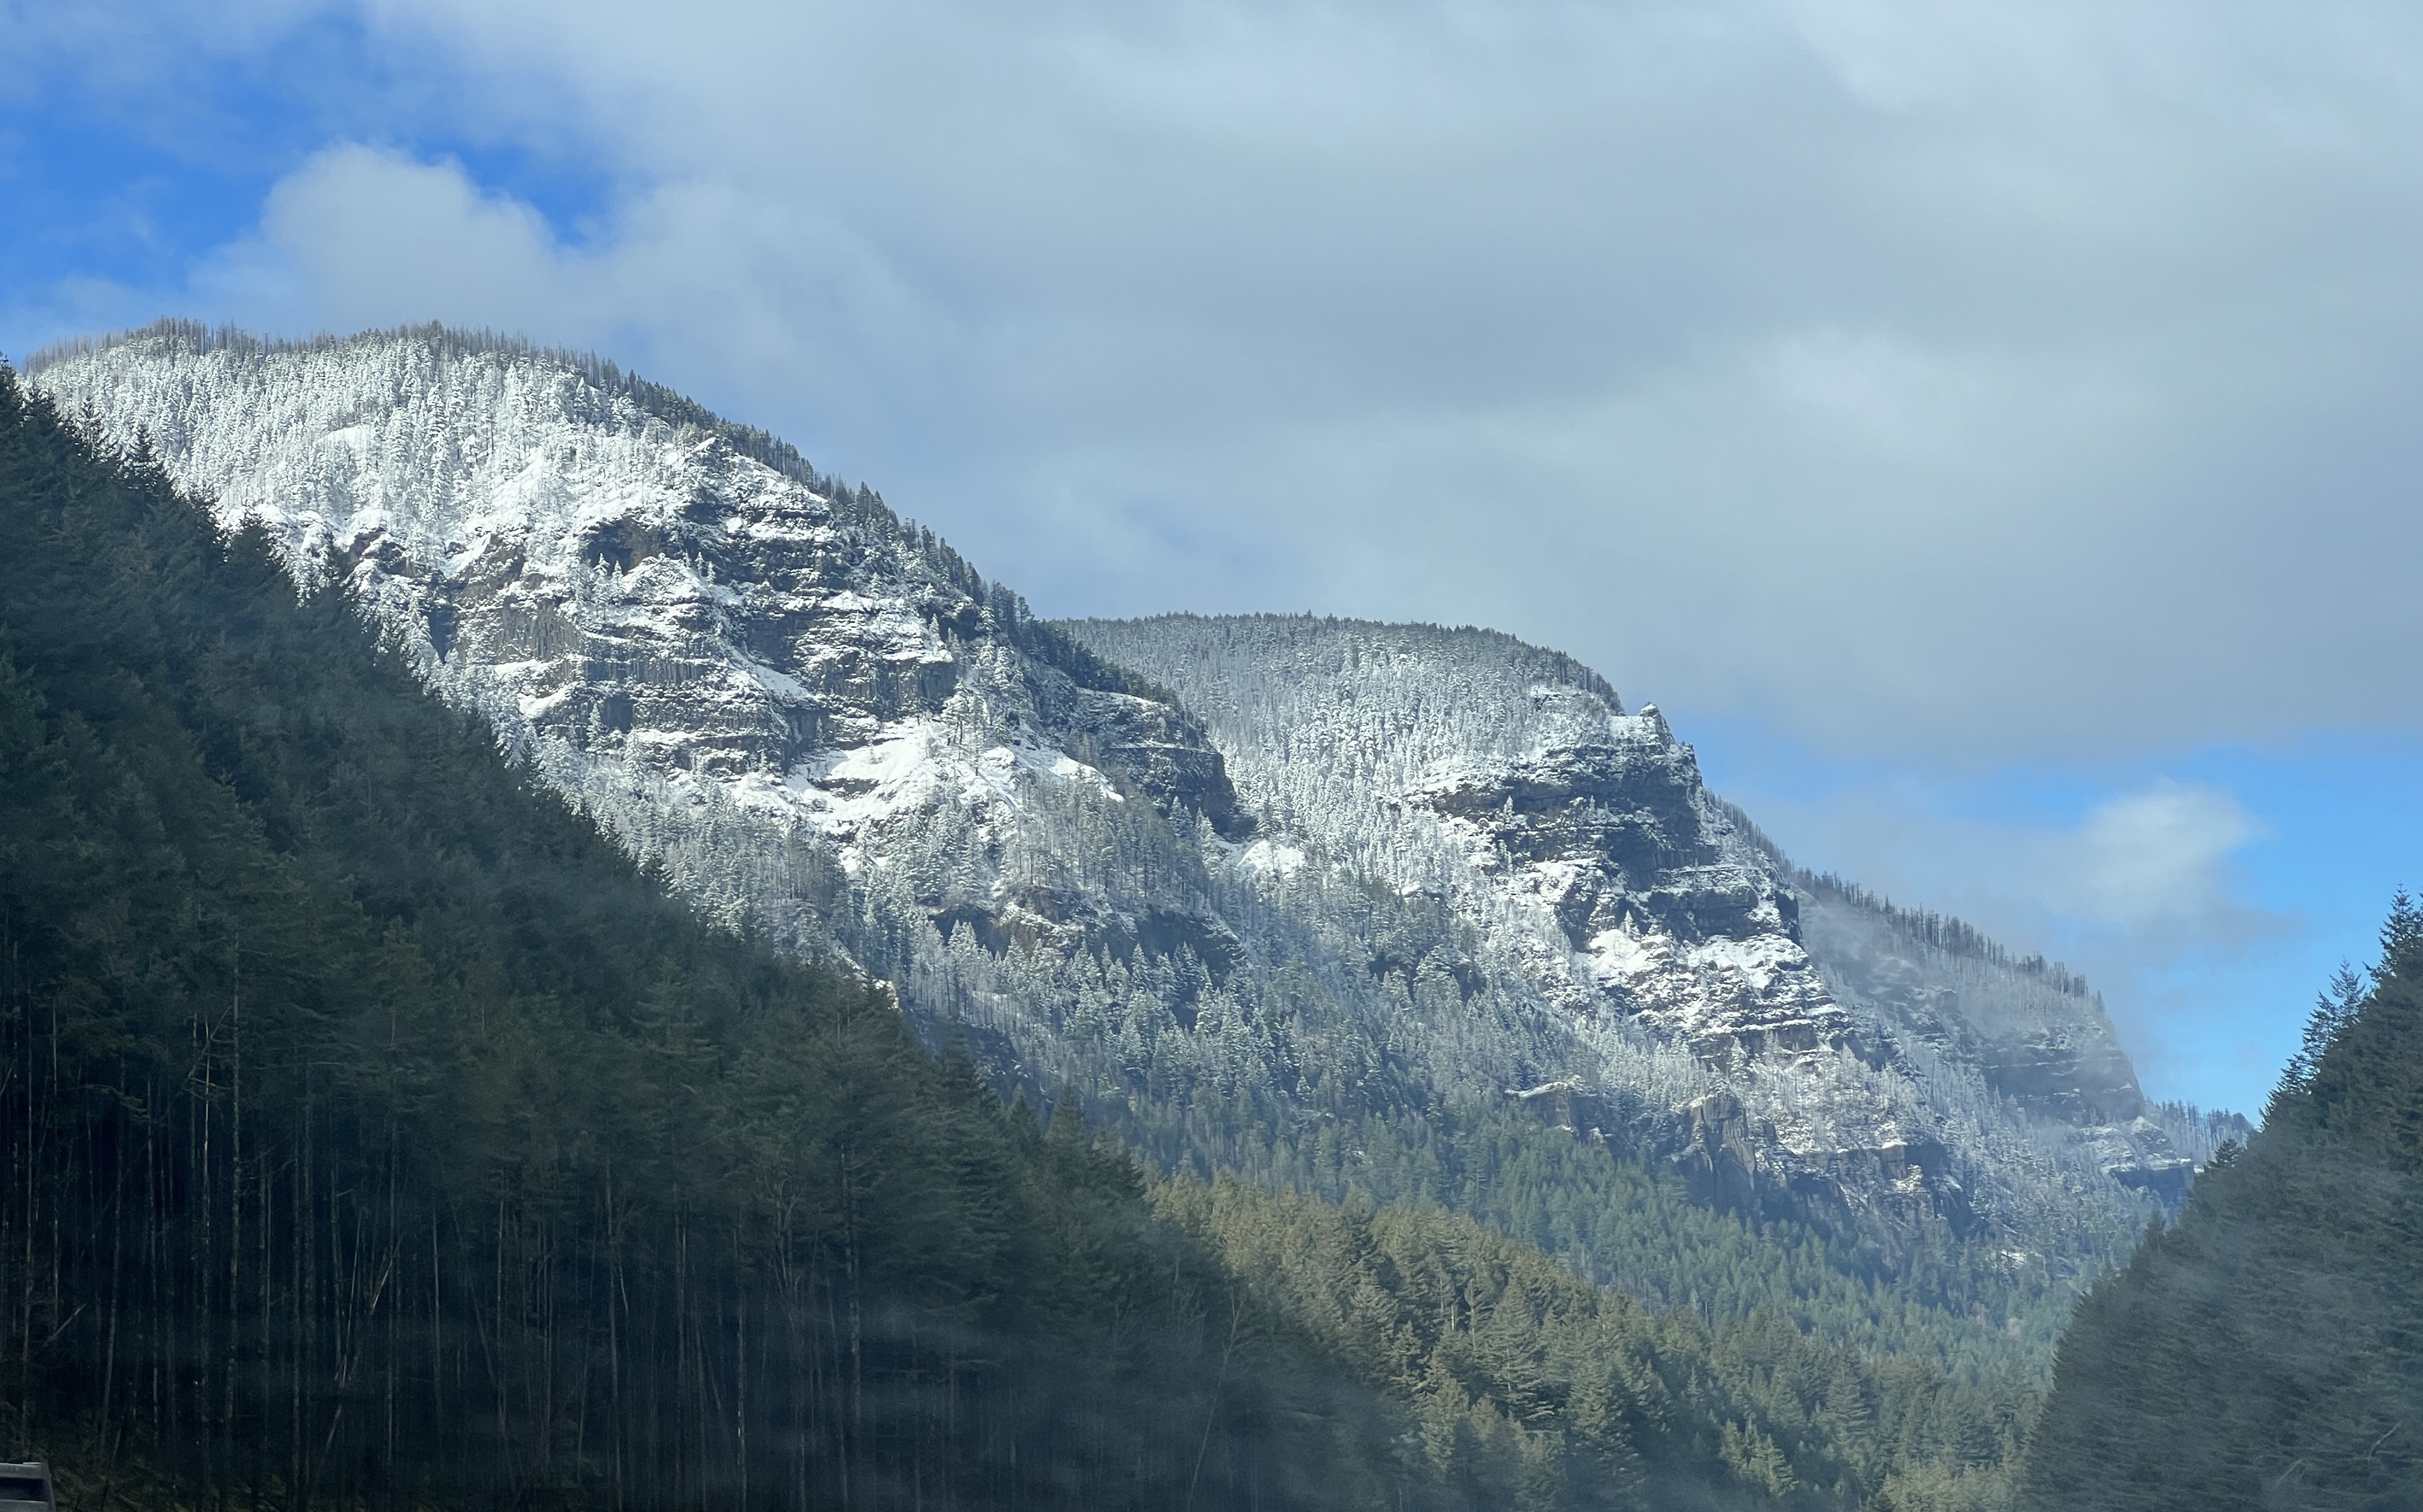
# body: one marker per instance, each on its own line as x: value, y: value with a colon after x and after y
x: 1822, y: 1050
x: 1342, y: 907
x: 377, y: 1130
x: 2266, y: 1352
x: 674, y: 616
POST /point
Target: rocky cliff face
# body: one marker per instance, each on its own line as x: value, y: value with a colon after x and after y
x: 2031, y: 1035
x: 1343, y: 872
x: 1849, y: 1059
x: 698, y: 635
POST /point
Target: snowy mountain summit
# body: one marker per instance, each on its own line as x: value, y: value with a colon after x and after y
x: 1246, y: 882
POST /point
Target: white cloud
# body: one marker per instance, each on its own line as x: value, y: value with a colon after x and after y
x: 359, y: 237
x: 2151, y: 857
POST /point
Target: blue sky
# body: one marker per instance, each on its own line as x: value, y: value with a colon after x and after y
x: 2303, y: 843
x: 1986, y: 431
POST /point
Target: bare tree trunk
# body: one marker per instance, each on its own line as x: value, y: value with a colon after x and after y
x: 116, y: 1272
x: 235, y: 1190
x: 740, y: 1366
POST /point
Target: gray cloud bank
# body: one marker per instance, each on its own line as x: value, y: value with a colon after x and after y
x: 1989, y: 381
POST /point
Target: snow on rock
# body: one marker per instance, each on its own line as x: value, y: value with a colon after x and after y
x: 680, y: 619
x: 1582, y: 845
x: 1272, y: 860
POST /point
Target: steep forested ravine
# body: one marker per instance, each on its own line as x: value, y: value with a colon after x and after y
x: 376, y: 1134
x: 2267, y: 1352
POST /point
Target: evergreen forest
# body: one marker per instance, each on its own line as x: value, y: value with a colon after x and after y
x: 377, y: 1134
x: 2267, y: 1351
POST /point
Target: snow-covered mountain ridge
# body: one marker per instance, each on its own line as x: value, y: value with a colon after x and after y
x: 661, y: 609
x: 1859, y: 1052
x: 1282, y: 872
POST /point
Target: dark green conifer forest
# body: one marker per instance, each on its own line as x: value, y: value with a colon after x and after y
x: 2267, y: 1352
x: 376, y: 1135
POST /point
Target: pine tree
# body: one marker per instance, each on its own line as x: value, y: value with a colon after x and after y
x: 2263, y: 1351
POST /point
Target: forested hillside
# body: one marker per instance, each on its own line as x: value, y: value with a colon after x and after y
x: 1526, y: 1388
x: 2268, y: 1351
x: 805, y: 712
x: 375, y: 1134
x: 1794, y: 1050
x: 1877, y: 1074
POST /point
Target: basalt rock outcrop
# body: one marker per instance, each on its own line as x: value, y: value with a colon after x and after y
x: 725, y: 653
x: 1852, y: 1062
